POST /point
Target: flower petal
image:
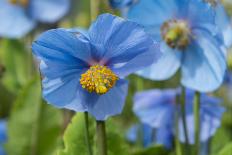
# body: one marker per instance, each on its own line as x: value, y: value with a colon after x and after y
x: 14, y: 21
x: 49, y: 11
x: 109, y: 104
x: 204, y: 64
x: 153, y: 107
x: 165, y: 67
x: 164, y: 135
x: 3, y: 135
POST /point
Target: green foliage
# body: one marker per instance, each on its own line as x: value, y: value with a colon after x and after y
x: 16, y: 60
x: 74, y: 137
x: 153, y: 150
x: 227, y: 150
x: 33, y: 127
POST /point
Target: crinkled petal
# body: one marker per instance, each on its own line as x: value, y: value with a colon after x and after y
x: 49, y: 11
x: 149, y: 13
x: 204, y: 64
x: 108, y: 104
x: 14, y: 21
x: 165, y: 67
x: 115, y: 40
x: 154, y: 107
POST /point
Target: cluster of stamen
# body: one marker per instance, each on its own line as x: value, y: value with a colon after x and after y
x: 23, y: 3
x: 176, y: 33
x: 98, y: 79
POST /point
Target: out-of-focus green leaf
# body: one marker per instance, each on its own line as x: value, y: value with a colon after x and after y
x: 33, y: 127
x: 16, y: 60
x: 227, y: 150
x: 74, y: 137
x: 153, y: 150
x: 221, y: 138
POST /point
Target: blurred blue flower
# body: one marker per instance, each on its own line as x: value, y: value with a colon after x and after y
x: 190, y: 41
x: 18, y: 17
x: 119, y: 4
x: 85, y: 72
x: 157, y: 108
x: 3, y: 136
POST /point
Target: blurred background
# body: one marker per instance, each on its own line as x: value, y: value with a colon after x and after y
x: 37, y: 128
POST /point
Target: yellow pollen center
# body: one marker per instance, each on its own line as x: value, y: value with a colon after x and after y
x: 98, y: 79
x: 23, y: 3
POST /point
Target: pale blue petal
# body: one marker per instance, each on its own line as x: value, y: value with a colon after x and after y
x: 204, y: 64
x: 109, y: 104
x: 154, y: 107
x: 14, y: 21
x: 49, y: 11
x: 165, y: 67
x: 132, y: 133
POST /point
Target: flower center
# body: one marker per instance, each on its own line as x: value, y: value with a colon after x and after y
x: 176, y: 33
x: 23, y: 3
x: 98, y: 79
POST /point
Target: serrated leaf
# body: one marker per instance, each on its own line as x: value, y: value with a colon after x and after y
x: 227, y: 150
x: 153, y: 150
x: 17, y: 63
x: 74, y: 137
x: 34, y: 127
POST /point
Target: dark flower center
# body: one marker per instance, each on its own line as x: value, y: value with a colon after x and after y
x: 176, y: 34
x: 23, y: 3
x: 98, y: 79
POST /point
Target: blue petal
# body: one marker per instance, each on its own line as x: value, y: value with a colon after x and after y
x: 164, y: 135
x: 3, y: 131
x: 55, y: 92
x: 63, y: 53
x: 155, y: 107
x: 109, y: 104
x: 49, y: 11
x: 132, y: 133
x: 223, y: 21
x: 14, y: 21
x: 204, y: 64
x: 165, y: 67
x: 149, y: 13
x: 119, y: 4
x: 2, y: 152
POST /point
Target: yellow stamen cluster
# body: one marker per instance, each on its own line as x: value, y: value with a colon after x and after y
x: 98, y: 79
x: 176, y: 33
x: 23, y: 3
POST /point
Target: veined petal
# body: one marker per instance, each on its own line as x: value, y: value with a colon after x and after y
x: 204, y: 64
x: 109, y: 104
x: 49, y: 11
x: 165, y: 67
x: 14, y: 21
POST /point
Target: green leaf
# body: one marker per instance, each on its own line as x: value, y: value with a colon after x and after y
x: 227, y: 150
x: 33, y: 127
x: 153, y: 150
x: 74, y: 137
x: 17, y: 60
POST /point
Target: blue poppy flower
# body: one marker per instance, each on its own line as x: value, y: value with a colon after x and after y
x: 84, y: 72
x: 3, y: 136
x: 18, y: 17
x: 157, y: 108
x: 190, y: 41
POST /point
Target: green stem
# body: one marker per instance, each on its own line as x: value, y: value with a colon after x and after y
x: 87, y: 137
x: 139, y: 84
x: 101, y: 138
x: 197, y: 122
x: 94, y: 9
x: 177, y: 142
x: 183, y: 116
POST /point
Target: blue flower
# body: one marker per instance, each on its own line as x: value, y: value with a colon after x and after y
x: 190, y: 41
x: 85, y: 72
x: 119, y: 4
x: 157, y: 108
x: 18, y: 17
x: 3, y: 136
